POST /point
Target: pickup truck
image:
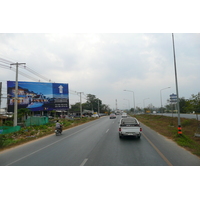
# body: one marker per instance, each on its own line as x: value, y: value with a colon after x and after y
x: 129, y: 127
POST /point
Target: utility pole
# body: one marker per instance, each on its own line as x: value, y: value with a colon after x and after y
x: 80, y: 103
x: 16, y: 93
x: 179, y: 121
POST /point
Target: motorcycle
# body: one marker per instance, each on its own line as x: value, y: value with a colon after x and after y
x: 58, y: 131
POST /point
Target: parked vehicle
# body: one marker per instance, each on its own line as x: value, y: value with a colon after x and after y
x: 95, y: 115
x: 129, y: 127
x: 112, y: 116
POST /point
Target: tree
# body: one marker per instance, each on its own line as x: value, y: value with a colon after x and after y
x: 75, y: 107
x: 190, y: 105
x: 105, y: 108
x: 22, y: 113
x: 93, y: 103
x: 139, y: 109
x: 90, y: 101
x: 183, y: 105
x: 196, y: 103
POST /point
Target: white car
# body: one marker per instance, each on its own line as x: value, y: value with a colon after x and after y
x: 95, y: 115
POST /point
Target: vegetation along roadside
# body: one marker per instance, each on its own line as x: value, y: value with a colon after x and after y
x: 30, y: 133
x: 167, y: 126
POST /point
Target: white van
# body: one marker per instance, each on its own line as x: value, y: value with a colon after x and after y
x: 124, y: 115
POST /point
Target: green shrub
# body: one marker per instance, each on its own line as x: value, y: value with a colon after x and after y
x: 184, y: 140
x: 186, y: 123
x: 29, y: 133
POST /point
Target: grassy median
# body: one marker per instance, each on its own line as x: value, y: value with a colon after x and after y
x: 30, y: 133
x: 168, y: 126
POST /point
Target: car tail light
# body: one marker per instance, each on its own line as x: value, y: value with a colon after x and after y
x: 140, y: 129
x: 120, y: 129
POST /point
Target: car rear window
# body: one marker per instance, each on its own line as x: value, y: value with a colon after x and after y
x: 129, y: 122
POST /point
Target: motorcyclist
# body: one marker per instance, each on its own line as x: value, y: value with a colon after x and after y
x: 59, y: 126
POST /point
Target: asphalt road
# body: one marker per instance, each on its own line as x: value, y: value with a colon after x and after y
x: 97, y: 144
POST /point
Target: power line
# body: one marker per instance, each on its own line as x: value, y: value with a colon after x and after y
x: 21, y: 73
x: 37, y: 74
x: 5, y: 66
x: 4, y: 61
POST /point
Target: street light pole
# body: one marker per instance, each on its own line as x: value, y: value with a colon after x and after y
x: 133, y: 98
x: 179, y: 121
x: 161, y: 97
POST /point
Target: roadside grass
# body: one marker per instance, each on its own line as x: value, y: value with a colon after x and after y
x: 30, y: 133
x: 168, y: 126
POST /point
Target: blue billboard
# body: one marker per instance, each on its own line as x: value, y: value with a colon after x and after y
x: 38, y: 96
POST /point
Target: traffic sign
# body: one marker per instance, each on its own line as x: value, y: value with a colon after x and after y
x: 173, y: 98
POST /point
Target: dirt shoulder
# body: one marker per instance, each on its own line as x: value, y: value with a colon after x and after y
x: 168, y: 126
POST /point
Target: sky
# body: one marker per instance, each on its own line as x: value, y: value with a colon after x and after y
x: 105, y: 47
x: 106, y: 64
x: 104, y: 50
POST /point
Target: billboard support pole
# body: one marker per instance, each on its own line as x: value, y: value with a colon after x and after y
x: 16, y: 93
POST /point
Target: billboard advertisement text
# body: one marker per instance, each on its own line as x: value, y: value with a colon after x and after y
x: 38, y: 96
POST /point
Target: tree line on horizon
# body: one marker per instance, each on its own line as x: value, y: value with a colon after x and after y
x: 93, y: 104
x: 191, y: 105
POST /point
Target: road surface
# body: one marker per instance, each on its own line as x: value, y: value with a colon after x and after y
x: 97, y: 144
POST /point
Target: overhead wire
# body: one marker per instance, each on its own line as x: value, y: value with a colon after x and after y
x: 37, y: 74
x: 29, y: 70
x: 6, y: 65
x: 21, y: 73
x: 4, y: 61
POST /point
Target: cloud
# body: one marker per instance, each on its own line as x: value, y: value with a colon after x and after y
x: 106, y: 64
